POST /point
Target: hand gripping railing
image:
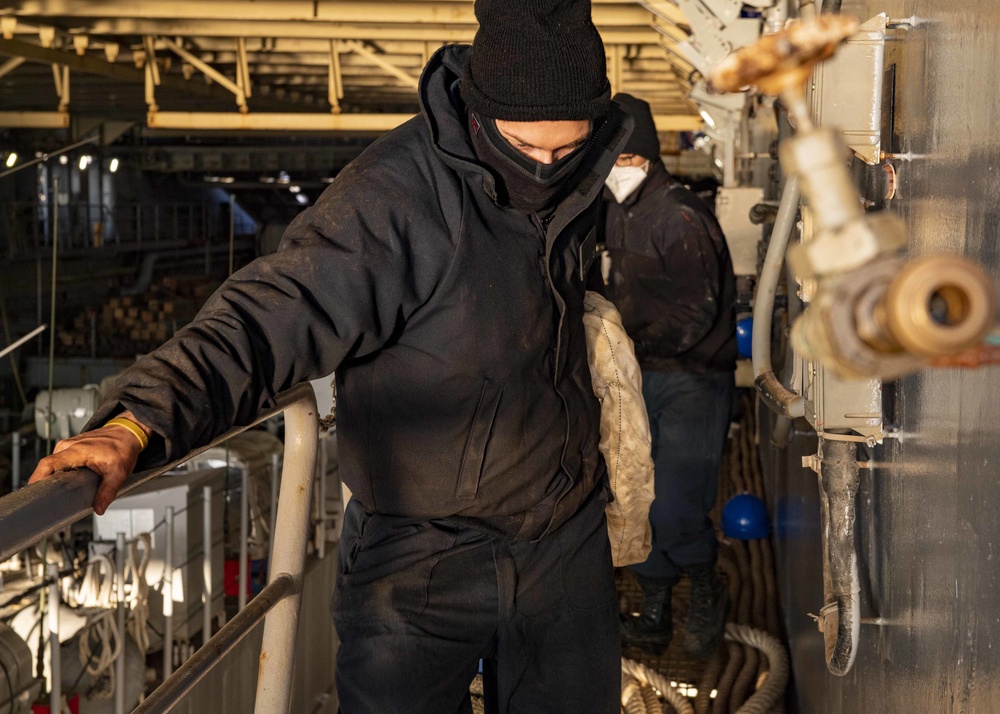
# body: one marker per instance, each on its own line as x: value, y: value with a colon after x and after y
x: 39, y: 510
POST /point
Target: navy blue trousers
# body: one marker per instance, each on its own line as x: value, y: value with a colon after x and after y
x: 418, y: 604
x: 689, y: 417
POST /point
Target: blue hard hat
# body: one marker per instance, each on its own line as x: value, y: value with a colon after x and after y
x: 744, y: 517
x: 744, y: 337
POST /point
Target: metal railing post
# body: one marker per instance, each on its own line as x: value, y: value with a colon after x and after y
x: 15, y: 461
x: 244, y: 535
x: 274, y: 682
x: 275, y: 485
x: 168, y: 596
x: 120, y: 592
x: 206, y: 567
x: 55, y: 663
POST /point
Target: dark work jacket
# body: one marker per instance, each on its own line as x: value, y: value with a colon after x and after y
x: 671, y: 277
x: 454, y: 325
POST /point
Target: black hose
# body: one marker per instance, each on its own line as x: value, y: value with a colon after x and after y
x: 709, y: 681
x: 734, y: 662
x: 832, y: 7
x: 758, y: 618
x: 746, y: 596
x: 744, y: 680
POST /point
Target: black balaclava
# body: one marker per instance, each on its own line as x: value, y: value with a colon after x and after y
x: 525, y: 184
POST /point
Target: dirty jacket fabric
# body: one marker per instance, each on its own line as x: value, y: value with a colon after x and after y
x: 454, y: 325
x: 671, y: 277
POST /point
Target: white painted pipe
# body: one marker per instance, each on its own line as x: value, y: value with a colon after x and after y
x: 168, y: 595
x: 55, y: 663
x: 206, y: 566
x: 15, y: 461
x: 275, y: 485
x: 274, y: 683
x: 244, y: 534
x: 775, y: 395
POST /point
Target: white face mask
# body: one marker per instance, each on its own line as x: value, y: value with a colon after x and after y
x: 624, y: 180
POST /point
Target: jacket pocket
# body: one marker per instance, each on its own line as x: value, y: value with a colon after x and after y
x: 479, y: 436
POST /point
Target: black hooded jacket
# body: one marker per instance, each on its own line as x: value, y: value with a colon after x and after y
x: 671, y: 277
x: 454, y: 325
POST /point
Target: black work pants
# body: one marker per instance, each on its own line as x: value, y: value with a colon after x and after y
x: 418, y: 604
x: 689, y: 417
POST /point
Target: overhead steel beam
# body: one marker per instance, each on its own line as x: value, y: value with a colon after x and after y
x: 401, y: 11
x: 34, y: 120
x: 332, y: 122
x: 678, y: 122
x: 305, y: 121
x: 639, y: 33
x: 90, y: 65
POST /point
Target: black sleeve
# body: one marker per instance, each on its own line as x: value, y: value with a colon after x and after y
x: 338, y: 287
x: 688, y: 288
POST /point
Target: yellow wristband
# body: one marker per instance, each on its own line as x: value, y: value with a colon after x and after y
x: 132, y: 427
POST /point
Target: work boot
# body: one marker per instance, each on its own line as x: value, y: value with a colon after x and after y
x: 706, y: 623
x: 652, y: 629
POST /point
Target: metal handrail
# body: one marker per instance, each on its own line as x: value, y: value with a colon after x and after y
x: 41, y: 509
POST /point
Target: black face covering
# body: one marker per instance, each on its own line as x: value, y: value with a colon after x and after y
x: 525, y: 184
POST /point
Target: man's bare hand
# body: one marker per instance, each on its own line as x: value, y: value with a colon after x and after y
x: 111, y: 452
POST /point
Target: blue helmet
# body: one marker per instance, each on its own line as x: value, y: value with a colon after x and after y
x: 744, y: 517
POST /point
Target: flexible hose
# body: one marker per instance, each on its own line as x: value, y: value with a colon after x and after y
x: 746, y: 596
x: 758, y: 617
x: 770, y: 589
x: 642, y: 675
x: 734, y: 662
x: 708, y: 682
x: 742, y: 687
x: 774, y: 394
x: 651, y: 700
x: 772, y: 690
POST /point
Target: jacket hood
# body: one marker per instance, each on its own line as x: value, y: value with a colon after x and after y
x: 442, y: 105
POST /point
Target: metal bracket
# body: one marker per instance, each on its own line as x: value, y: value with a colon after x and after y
x: 242, y: 66
x: 8, y: 25
x: 10, y: 65
x: 209, y: 71
x: 360, y: 49
x: 60, y: 73
x: 335, y: 91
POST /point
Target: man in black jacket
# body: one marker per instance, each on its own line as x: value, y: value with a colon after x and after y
x: 442, y: 276
x: 672, y: 280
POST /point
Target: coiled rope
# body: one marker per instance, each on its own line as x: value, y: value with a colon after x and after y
x: 642, y: 687
x: 772, y: 690
x: 636, y: 676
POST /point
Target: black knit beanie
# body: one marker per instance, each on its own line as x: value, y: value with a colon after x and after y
x: 643, y: 140
x: 536, y: 60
